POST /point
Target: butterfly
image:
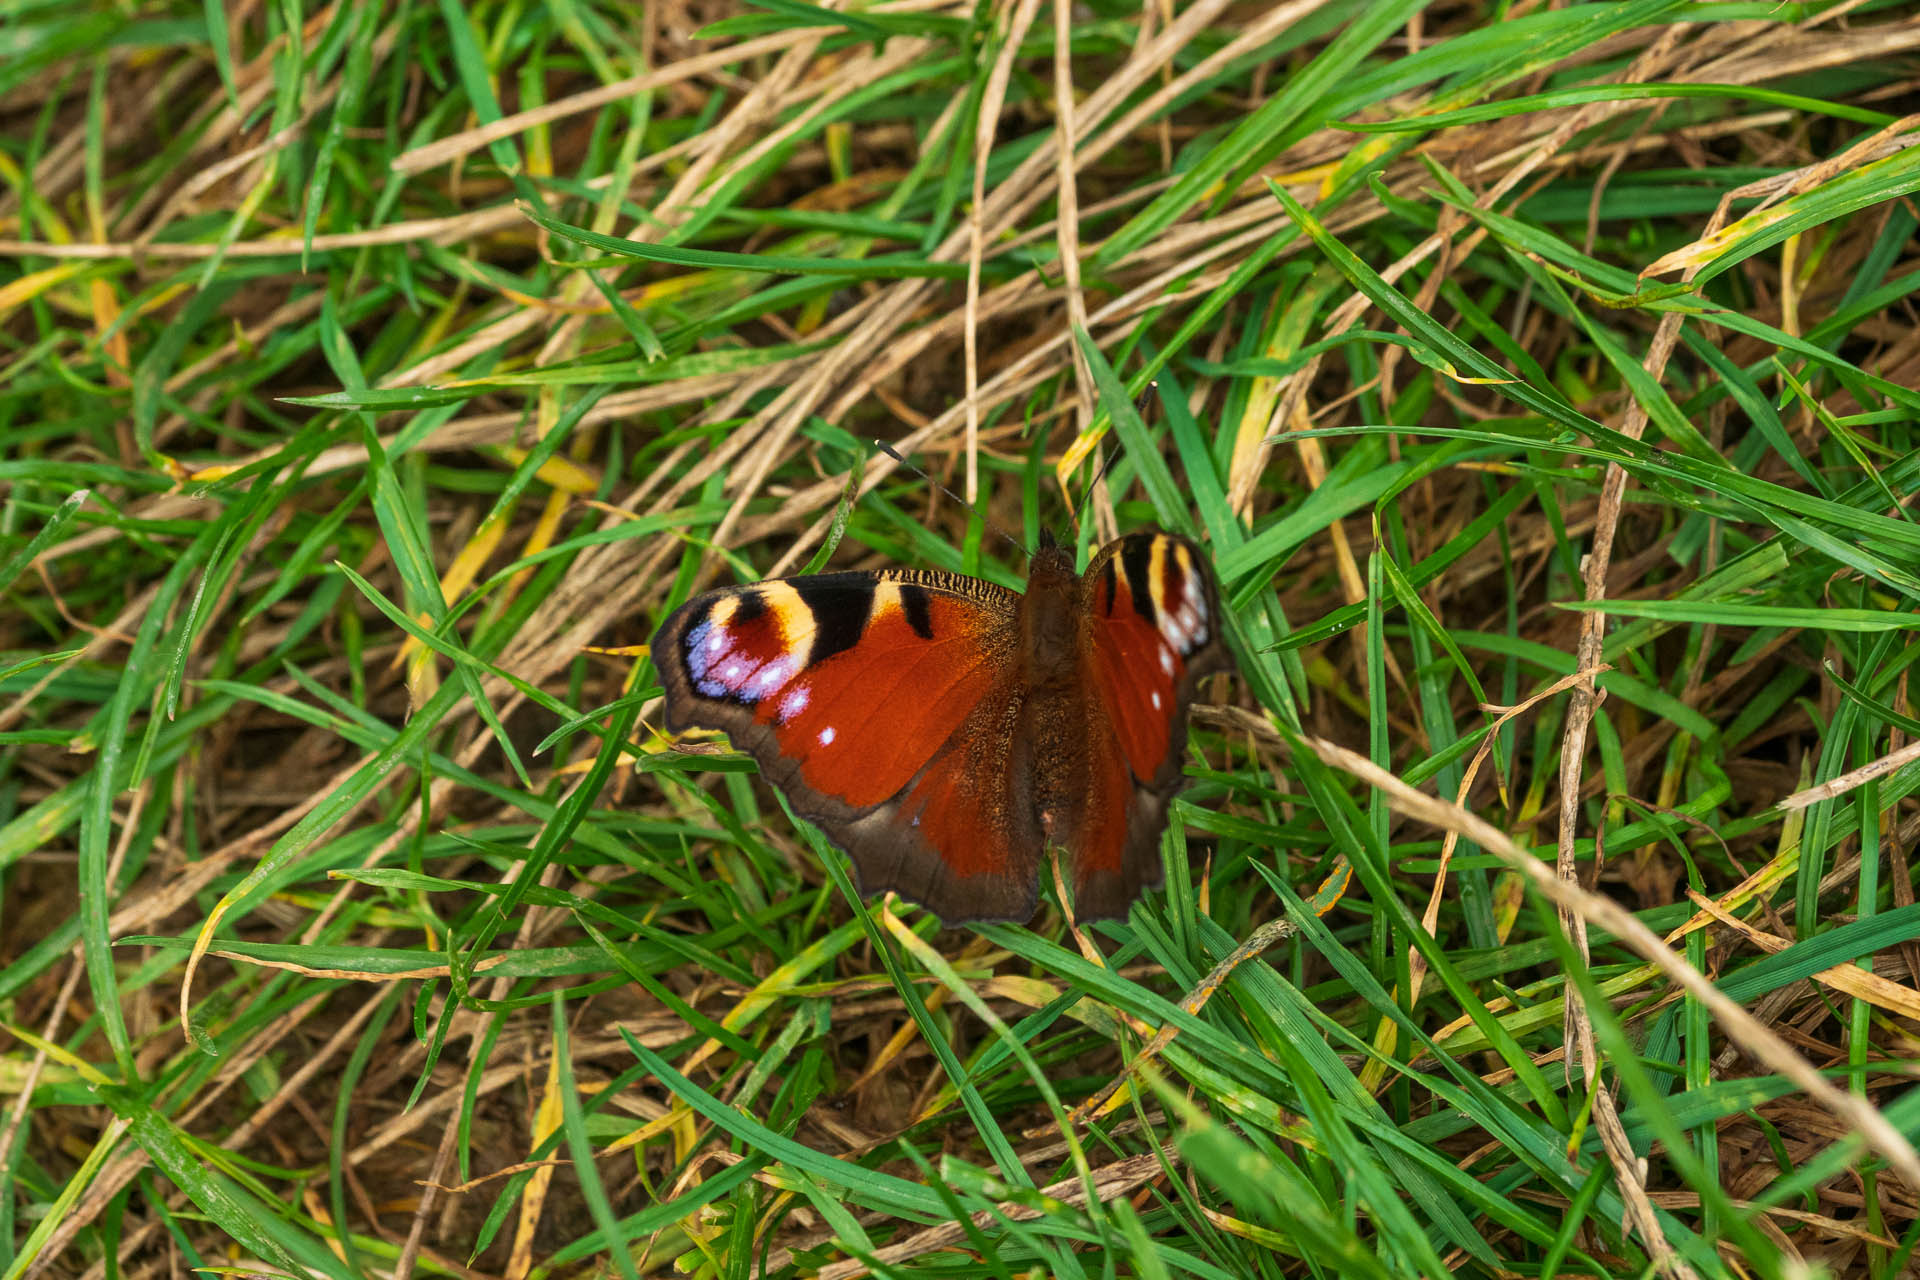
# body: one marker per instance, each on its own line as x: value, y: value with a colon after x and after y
x: 944, y: 731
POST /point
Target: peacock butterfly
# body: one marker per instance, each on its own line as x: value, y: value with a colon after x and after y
x: 943, y: 730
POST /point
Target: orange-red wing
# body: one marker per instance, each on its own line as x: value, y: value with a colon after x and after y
x: 843, y: 685
x: 1154, y: 617
x: 960, y: 840
x: 869, y: 700
x: 863, y: 722
x: 1153, y: 632
x: 1106, y: 881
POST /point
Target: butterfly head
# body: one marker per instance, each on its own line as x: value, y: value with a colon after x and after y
x: 1050, y: 566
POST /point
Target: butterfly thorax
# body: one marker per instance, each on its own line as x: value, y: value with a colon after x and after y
x: 1050, y: 621
x: 1054, y: 732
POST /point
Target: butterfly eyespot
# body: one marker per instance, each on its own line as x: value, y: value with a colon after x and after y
x: 740, y: 652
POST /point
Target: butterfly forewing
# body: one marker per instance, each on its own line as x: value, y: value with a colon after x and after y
x: 1153, y: 617
x: 872, y: 701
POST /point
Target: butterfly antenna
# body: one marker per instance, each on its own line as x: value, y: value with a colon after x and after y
x: 1113, y: 456
x: 1066, y: 538
x: 893, y: 453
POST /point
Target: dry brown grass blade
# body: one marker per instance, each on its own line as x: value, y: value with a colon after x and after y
x: 1894, y: 138
x: 992, y: 98
x: 1067, y: 223
x: 1849, y: 979
x: 1429, y: 919
x: 1029, y: 185
x: 1837, y: 787
x: 1628, y: 1172
x: 1755, y: 1038
x: 120, y: 1171
x: 1630, y: 1175
x: 37, y: 1063
x: 454, y: 146
x: 547, y: 1117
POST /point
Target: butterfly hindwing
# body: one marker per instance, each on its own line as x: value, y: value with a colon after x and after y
x: 879, y: 703
x: 959, y: 840
x: 1153, y: 614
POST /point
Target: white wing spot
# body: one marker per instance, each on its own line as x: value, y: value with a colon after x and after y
x: 1183, y: 627
x: 774, y: 674
x: 731, y: 673
x: 794, y: 703
x: 1156, y: 699
x: 1166, y: 659
x: 716, y: 641
x: 826, y: 736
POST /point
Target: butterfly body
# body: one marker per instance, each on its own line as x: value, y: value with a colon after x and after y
x: 945, y: 731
